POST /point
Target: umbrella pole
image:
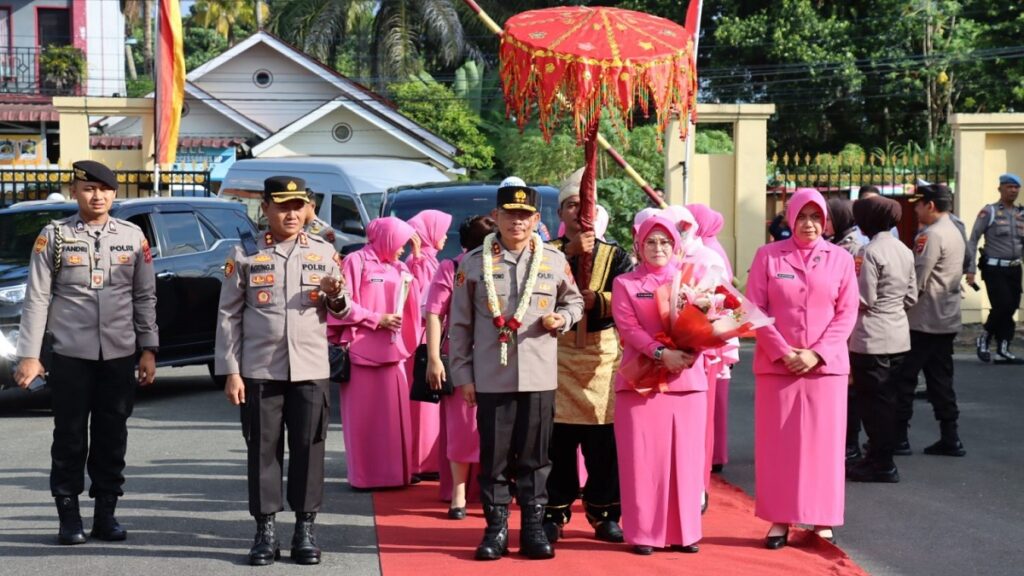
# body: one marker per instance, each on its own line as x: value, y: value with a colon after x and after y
x: 658, y: 201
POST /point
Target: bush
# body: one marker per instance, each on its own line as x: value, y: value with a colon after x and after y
x: 62, y: 68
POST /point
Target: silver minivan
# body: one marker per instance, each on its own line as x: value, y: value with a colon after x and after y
x: 348, y: 190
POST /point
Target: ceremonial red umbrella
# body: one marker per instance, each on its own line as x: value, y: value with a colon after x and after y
x: 577, y: 61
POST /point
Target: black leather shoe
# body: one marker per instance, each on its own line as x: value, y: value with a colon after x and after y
x: 852, y: 453
x: 691, y: 549
x: 869, y: 471
x: 533, y: 543
x: 70, y: 531
x: 265, y: 546
x: 457, y: 513
x: 902, y: 448
x: 704, y: 504
x: 776, y: 542
x: 609, y: 531
x: 946, y: 448
x: 643, y: 550
x: 982, y: 346
x: 717, y: 468
x: 495, y: 542
x: 553, y: 531
x: 304, y: 548
x: 104, y: 525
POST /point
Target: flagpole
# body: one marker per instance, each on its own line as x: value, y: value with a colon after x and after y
x: 156, y: 104
x: 691, y: 138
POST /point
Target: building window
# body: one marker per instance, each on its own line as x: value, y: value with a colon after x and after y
x: 262, y: 78
x: 342, y: 132
x: 53, y: 27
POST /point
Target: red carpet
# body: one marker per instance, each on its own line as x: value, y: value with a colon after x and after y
x: 416, y: 538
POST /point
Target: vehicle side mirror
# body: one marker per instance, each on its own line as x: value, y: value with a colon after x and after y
x: 353, y: 227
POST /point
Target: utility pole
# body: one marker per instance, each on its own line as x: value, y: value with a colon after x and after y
x: 259, y: 14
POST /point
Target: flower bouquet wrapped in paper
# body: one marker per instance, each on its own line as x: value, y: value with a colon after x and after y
x: 697, y: 315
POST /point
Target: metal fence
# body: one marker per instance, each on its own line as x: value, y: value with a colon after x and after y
x: 841, y: 176
x: 18, y: 185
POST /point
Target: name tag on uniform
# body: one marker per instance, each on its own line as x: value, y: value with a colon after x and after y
x: 785, y: 276
x: 96, y: 279
x: 376, y: 280
x: 645, y: 295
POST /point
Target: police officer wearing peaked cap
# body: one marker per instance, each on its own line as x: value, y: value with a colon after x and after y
x: 272, y: 346
x: 1002, y: 225
x: 91, y: 285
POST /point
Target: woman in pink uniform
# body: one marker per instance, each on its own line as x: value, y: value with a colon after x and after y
x: 801, y: 370
x: 659, y: 436
x: 458, y: 419
x: 431, y: 228
x: 375, y: 400
x: 709, y: 224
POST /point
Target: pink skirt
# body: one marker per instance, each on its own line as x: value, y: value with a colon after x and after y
x: 799, y: 440
x: 660, y: 441
x: 375, y: 424
x: 462, y: 437
x: 720, y: 452
x: 425, y: 418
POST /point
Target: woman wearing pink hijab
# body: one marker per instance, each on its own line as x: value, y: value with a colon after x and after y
x: 801, y: 371
x: 375, y: 400
x: 709, y: 224
x: 659, y: 435
x: 431, y: 228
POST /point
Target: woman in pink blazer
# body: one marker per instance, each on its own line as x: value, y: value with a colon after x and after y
x: 659, y: 436
x: 375, y: 400
x: 431, y: 228
x: 801, y: 370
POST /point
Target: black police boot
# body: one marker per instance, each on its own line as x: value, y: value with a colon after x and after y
x: 949, y: 444
x: 304, y: 548
x: 873, y: 470
x: 495, y: 542
x: 70, y: 531
x: 265, y: 546
x: 982, y: 344
x: 1004, y: 352
x: 554, y: 519
x: 104, y: 525
x: 609, y: 531
x: 532, y: 542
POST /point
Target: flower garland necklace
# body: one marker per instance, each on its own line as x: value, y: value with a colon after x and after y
x: 506, y: 328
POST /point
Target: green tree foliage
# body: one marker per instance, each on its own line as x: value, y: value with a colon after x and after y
x: 234, y: 20
x: 201, y: 45
x: 437, y: 108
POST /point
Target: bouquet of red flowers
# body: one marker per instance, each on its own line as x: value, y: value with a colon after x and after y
x: 697, y: 315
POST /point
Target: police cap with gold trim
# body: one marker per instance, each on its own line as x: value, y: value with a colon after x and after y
x: 281, y: 189
x: 93, y: 171
x: 514, y: 194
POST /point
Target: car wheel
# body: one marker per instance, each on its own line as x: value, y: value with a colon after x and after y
x: 218, y: 381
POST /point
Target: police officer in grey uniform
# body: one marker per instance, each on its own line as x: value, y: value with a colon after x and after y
x: 90, y: 285
x: 1002, y: 225
x: 515, y: 398
x: 934, y: 320
x: 272, y: 346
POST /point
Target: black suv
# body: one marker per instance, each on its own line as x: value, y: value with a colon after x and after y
x: 190, y: 240
x: 461, y: 200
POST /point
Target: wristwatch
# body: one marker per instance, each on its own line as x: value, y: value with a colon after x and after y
x: 659, y: 352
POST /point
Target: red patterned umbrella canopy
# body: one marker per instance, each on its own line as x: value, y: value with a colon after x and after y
x: 579, y: 60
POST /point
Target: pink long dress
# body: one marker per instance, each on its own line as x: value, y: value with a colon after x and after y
x: 460, y: 440
x: 659, y: 437
x: 375, y: 401
x: 431, y: 226
x: 800, y: 421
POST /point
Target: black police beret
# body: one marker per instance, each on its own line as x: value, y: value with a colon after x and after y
x: 93, y: 171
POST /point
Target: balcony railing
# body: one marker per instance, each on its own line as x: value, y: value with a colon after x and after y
x: 20, y: 73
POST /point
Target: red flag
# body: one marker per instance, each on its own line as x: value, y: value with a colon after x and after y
x: 170, y: 83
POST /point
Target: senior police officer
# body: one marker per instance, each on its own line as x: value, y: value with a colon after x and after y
x: 272, y: 346
x: 511, y: 297
x: 934, y: 321
x: 1002, y: 225
x: 90, y: 285
x: 585, y: 401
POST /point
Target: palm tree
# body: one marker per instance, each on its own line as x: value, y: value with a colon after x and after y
x: 407, y: 34
x: 226, y: 16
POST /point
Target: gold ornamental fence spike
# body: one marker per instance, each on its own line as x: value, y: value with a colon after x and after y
x: 926, y: 161
x: 785, y: 159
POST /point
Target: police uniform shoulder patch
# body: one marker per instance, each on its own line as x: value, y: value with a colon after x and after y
x: 229, y: 268
x: 920, y: 242
x: 147, y: 254
x: 41, y: 242
x: 857, y: 262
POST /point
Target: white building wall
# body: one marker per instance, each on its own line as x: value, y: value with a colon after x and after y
x: 367, y: 140
x: 105, y: 49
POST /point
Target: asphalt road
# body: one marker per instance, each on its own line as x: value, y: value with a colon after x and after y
x: 186, y: 509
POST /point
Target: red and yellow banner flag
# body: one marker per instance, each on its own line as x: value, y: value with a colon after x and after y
x: 170, y: 83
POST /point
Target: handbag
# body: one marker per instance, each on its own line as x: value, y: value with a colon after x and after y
x: 420, y: 389
x: 337, y: 357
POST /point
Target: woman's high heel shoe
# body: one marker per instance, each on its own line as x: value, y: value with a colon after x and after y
x: 776, y: 542
x: 826, y: 533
